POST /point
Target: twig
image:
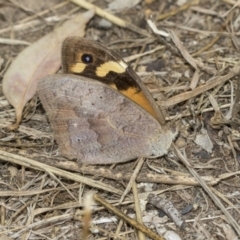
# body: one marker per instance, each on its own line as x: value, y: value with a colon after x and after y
x: 116, y: 20
x: 214, y: 40
x: 23, y: 161
x: 208, y: 190
x: 137, y: 209
x: 40, y: 14
x: 132, y: 179
x: 167, y: 207
x: 13, y: 41
x: 129, y: 220
x: 215, y: 81
x: 177, y: 10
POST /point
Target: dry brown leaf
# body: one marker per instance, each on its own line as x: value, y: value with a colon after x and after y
x: 40, y: 59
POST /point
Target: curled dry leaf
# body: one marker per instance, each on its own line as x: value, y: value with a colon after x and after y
x: 40, y: 59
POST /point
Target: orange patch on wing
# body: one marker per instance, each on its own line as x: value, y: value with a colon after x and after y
x: 140, y: 99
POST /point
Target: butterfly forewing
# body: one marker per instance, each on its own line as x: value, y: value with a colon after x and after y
x: 87, y: 58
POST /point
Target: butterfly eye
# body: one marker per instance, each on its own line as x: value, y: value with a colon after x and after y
x: 87, y: 58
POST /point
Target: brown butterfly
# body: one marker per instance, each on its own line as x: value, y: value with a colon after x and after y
x: 103, y: 113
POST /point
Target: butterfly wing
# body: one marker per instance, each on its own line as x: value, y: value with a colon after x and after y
x: 96, y: 124
x: 83, y: 57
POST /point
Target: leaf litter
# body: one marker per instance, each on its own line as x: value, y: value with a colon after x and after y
x: 40, y: 59
x: 198, y: 86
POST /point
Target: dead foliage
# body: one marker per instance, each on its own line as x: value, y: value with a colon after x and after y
x: 187, y: 54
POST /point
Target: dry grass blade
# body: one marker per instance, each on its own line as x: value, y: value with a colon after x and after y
x: 215, y: 81
x: 133, y: 178
x: 220, y: 195
x: 177, y: 10
x: 214, y: 40
x: 187, y: 54
x: 110, y: 17
x: 137, y: 209
x: 9, y: 157
x: 187, y: 57
x: 88, y: 202
x: 52, y: 220
x: 216, y: 200
x: 182, y: 50
x: 135, y: 56
x: 129, y: 220
x: 13, y: 41
x: 150, y: 177
x: 29, y: 193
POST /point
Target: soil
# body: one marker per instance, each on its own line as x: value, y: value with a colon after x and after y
x: 193, y: 74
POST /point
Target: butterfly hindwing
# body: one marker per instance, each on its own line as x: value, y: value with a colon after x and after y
x: 96, y: 124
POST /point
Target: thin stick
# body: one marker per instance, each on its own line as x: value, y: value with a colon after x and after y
x: 129, y: 220
x: 216, y: 200
x: 118, y: 21
x: 23, y: 161
x: 132, y: 179
x: 215, y: 81
x: 214, y: 40
x: 138, y: 211
x: 178, y: 10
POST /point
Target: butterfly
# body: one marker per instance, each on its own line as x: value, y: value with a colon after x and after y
x: 99, y: 109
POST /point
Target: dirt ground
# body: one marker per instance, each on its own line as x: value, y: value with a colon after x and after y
x: 187, y: 53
